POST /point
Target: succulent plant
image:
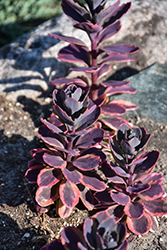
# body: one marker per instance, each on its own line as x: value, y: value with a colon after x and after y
x: 135, y: 193
x: 65, y: 170
x: 100, y: 24
x: 100, y: 232
x: 128, y: 143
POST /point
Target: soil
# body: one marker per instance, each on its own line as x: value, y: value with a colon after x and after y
x: 21, y: 227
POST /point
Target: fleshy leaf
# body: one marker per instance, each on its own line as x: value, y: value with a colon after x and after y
x: 157, y: 207
x: 113, y: 83
x: 72, y: 176
x: 154, y: 192
x: 32, y: 173
x: 113, y: 122
x: 45, y: 196
x: 120, y: 198
x: 90, y: 139
x: 48, y: 177
x: 69, y: 194
x: 86, y: 196
x: 64, y: 81
x: 116, y: 58
x: 62, y: 210
x: 68, y: 39
x: 141, y: 225
x: 116, y: 14
x: 134, y: 210
x: 87, y: 162
x: 56, y: 244
x: 74, y: 54
x: 120, y: 49
x: 92, y: 181
x: 71, y: 236
x: 77, y: 13
x: 108, y: 32
x: 54, y: 160
x: 86, y: 119
x: 113, y: 109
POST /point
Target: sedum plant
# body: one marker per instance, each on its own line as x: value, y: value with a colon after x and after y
x: 97, y: 233
x: 100, y: 24
x: 134, y: 192
x: 65, y: 169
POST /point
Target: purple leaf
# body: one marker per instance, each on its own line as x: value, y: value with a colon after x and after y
x: 111, y: 174
x: 123, y: 246
x: 134, y: 210
x: 74, y: 54
x: 120, y: 198
x: 62, y: 210
x: 54, y: 160
x: 86, y: 69
x: 114, y: 83
x: 108, y: 32
x: 48, y: 177
x: 120, y: 90
x: 104, y: 197
x: 117, y: 211
x: 116, y: 58
x: 116, y: 14
x: 72, y: 176
x: 153, y: 177
x: 141, y: 225
x: 76, y: 81
x: 32, y: 173
x: 51, y: 138
x: 72, y: 105
x: 148, y: 164
x: 103, y: 70
x: 68, y: 39
x: 90, y: 28
x: 87, y: 162
x: 119, y: 171
x: 71, y: 236
x: 154, y: 192
x: 87, y: 118
x: 56, y: 244
x: 113, y: 109
x: 127, y: 104
x: 138, y: 188
x: 69, y: 194
x: 45, y: 196
x: 74, y: 11
x: 114, y: 122
x: 90, y: 139
x: 62, y: 115
x: 51, y: 126
x: 104, y: 13
x: 86, y: 196
x: 120, y: 49
x: 92, y: 182
x: 38, y: 153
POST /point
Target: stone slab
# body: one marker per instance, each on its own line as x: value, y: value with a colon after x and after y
x: 151, y: 96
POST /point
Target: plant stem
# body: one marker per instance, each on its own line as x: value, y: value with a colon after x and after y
x: 94, y: 91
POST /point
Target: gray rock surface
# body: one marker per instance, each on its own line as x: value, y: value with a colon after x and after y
x: 151, y: 96
x: 28, y: 64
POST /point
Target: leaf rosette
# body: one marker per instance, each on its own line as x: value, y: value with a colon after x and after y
x: 135, y: 193
x: 99, y: 232
x: 128, y: 143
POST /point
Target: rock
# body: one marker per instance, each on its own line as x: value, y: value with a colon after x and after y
x: 28, y: 64
x: 151, y: 96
